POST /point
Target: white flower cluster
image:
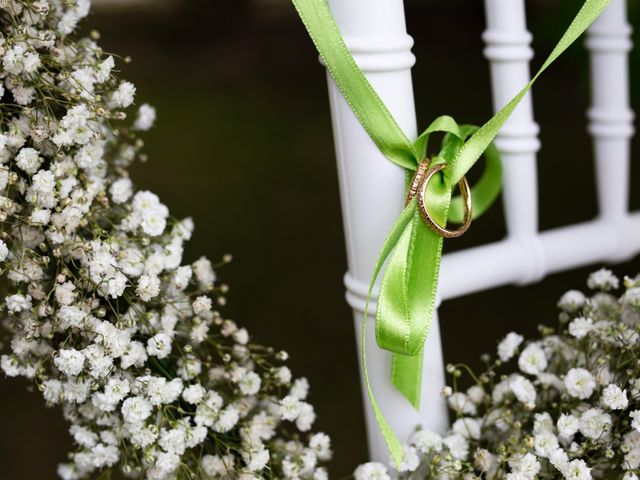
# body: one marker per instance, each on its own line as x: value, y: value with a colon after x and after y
x: 568, y: 409
x: 101, y: 312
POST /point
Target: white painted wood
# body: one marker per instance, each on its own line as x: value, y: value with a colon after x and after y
x: 502, y: 263
x: 372, y: 193
x: 610, y: 116
x: 372, y: 188
x: 508, y: 51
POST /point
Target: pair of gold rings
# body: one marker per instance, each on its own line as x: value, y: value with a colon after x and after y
x: 424, y: 174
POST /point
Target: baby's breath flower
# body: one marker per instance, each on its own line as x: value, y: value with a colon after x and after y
x: 567, y: 425
x: 372, y: 471
x: 146, y: 117
x: 635, y: 419
x: 614, y: 398
x: 577, y: 470
x: 545, y: 443
x: 69, y: 361
x: 460, y: 403
x: 123, y: 96
x: 572, y: 301
x: 100, y: 310
x: 532, y: 359
x: 509, y: 345
x: 457, y: 445
x: 426, y: 441
x: 136, y: 410
x: 476, y: 394
x: 562, y: 413
x: 603, y: 279
x: 467, y: 427
x: 410, y: 460
x: 579, y: 383
x: 4, y: 251
x: 593, y: 423
x: 525, y: 467
x: 523, y: 389
x: 580, y: 327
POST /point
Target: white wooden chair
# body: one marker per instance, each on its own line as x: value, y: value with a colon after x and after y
x: 372, y: 188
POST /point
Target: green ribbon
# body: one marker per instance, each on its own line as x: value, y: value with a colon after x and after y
x: 412, y: 250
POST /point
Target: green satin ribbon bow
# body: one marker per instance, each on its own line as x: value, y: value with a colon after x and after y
x: 412, y: 250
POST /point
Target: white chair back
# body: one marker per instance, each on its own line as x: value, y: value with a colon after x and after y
x: 372, y: 195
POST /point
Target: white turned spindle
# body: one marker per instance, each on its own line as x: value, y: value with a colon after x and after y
x: 610, y: 116
x: 508, y: 51
x: 372, y: 194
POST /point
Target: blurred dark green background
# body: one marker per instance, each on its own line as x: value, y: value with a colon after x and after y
x: 243, y: 117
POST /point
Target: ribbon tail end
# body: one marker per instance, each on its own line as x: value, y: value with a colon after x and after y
x: 397, y: 454
x: 407, y: 377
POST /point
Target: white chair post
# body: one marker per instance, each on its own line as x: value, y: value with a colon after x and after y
x: 508, y: 51
x: 610, y: 116
x: 372, y: 194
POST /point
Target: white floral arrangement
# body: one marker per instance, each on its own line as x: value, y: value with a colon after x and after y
x: 565, y: 406
x: 101, y: 313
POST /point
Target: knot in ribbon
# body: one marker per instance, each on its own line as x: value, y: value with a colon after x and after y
x: 413, y: 248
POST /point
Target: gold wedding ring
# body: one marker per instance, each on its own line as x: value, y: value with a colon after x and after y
x: 424, y: 174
